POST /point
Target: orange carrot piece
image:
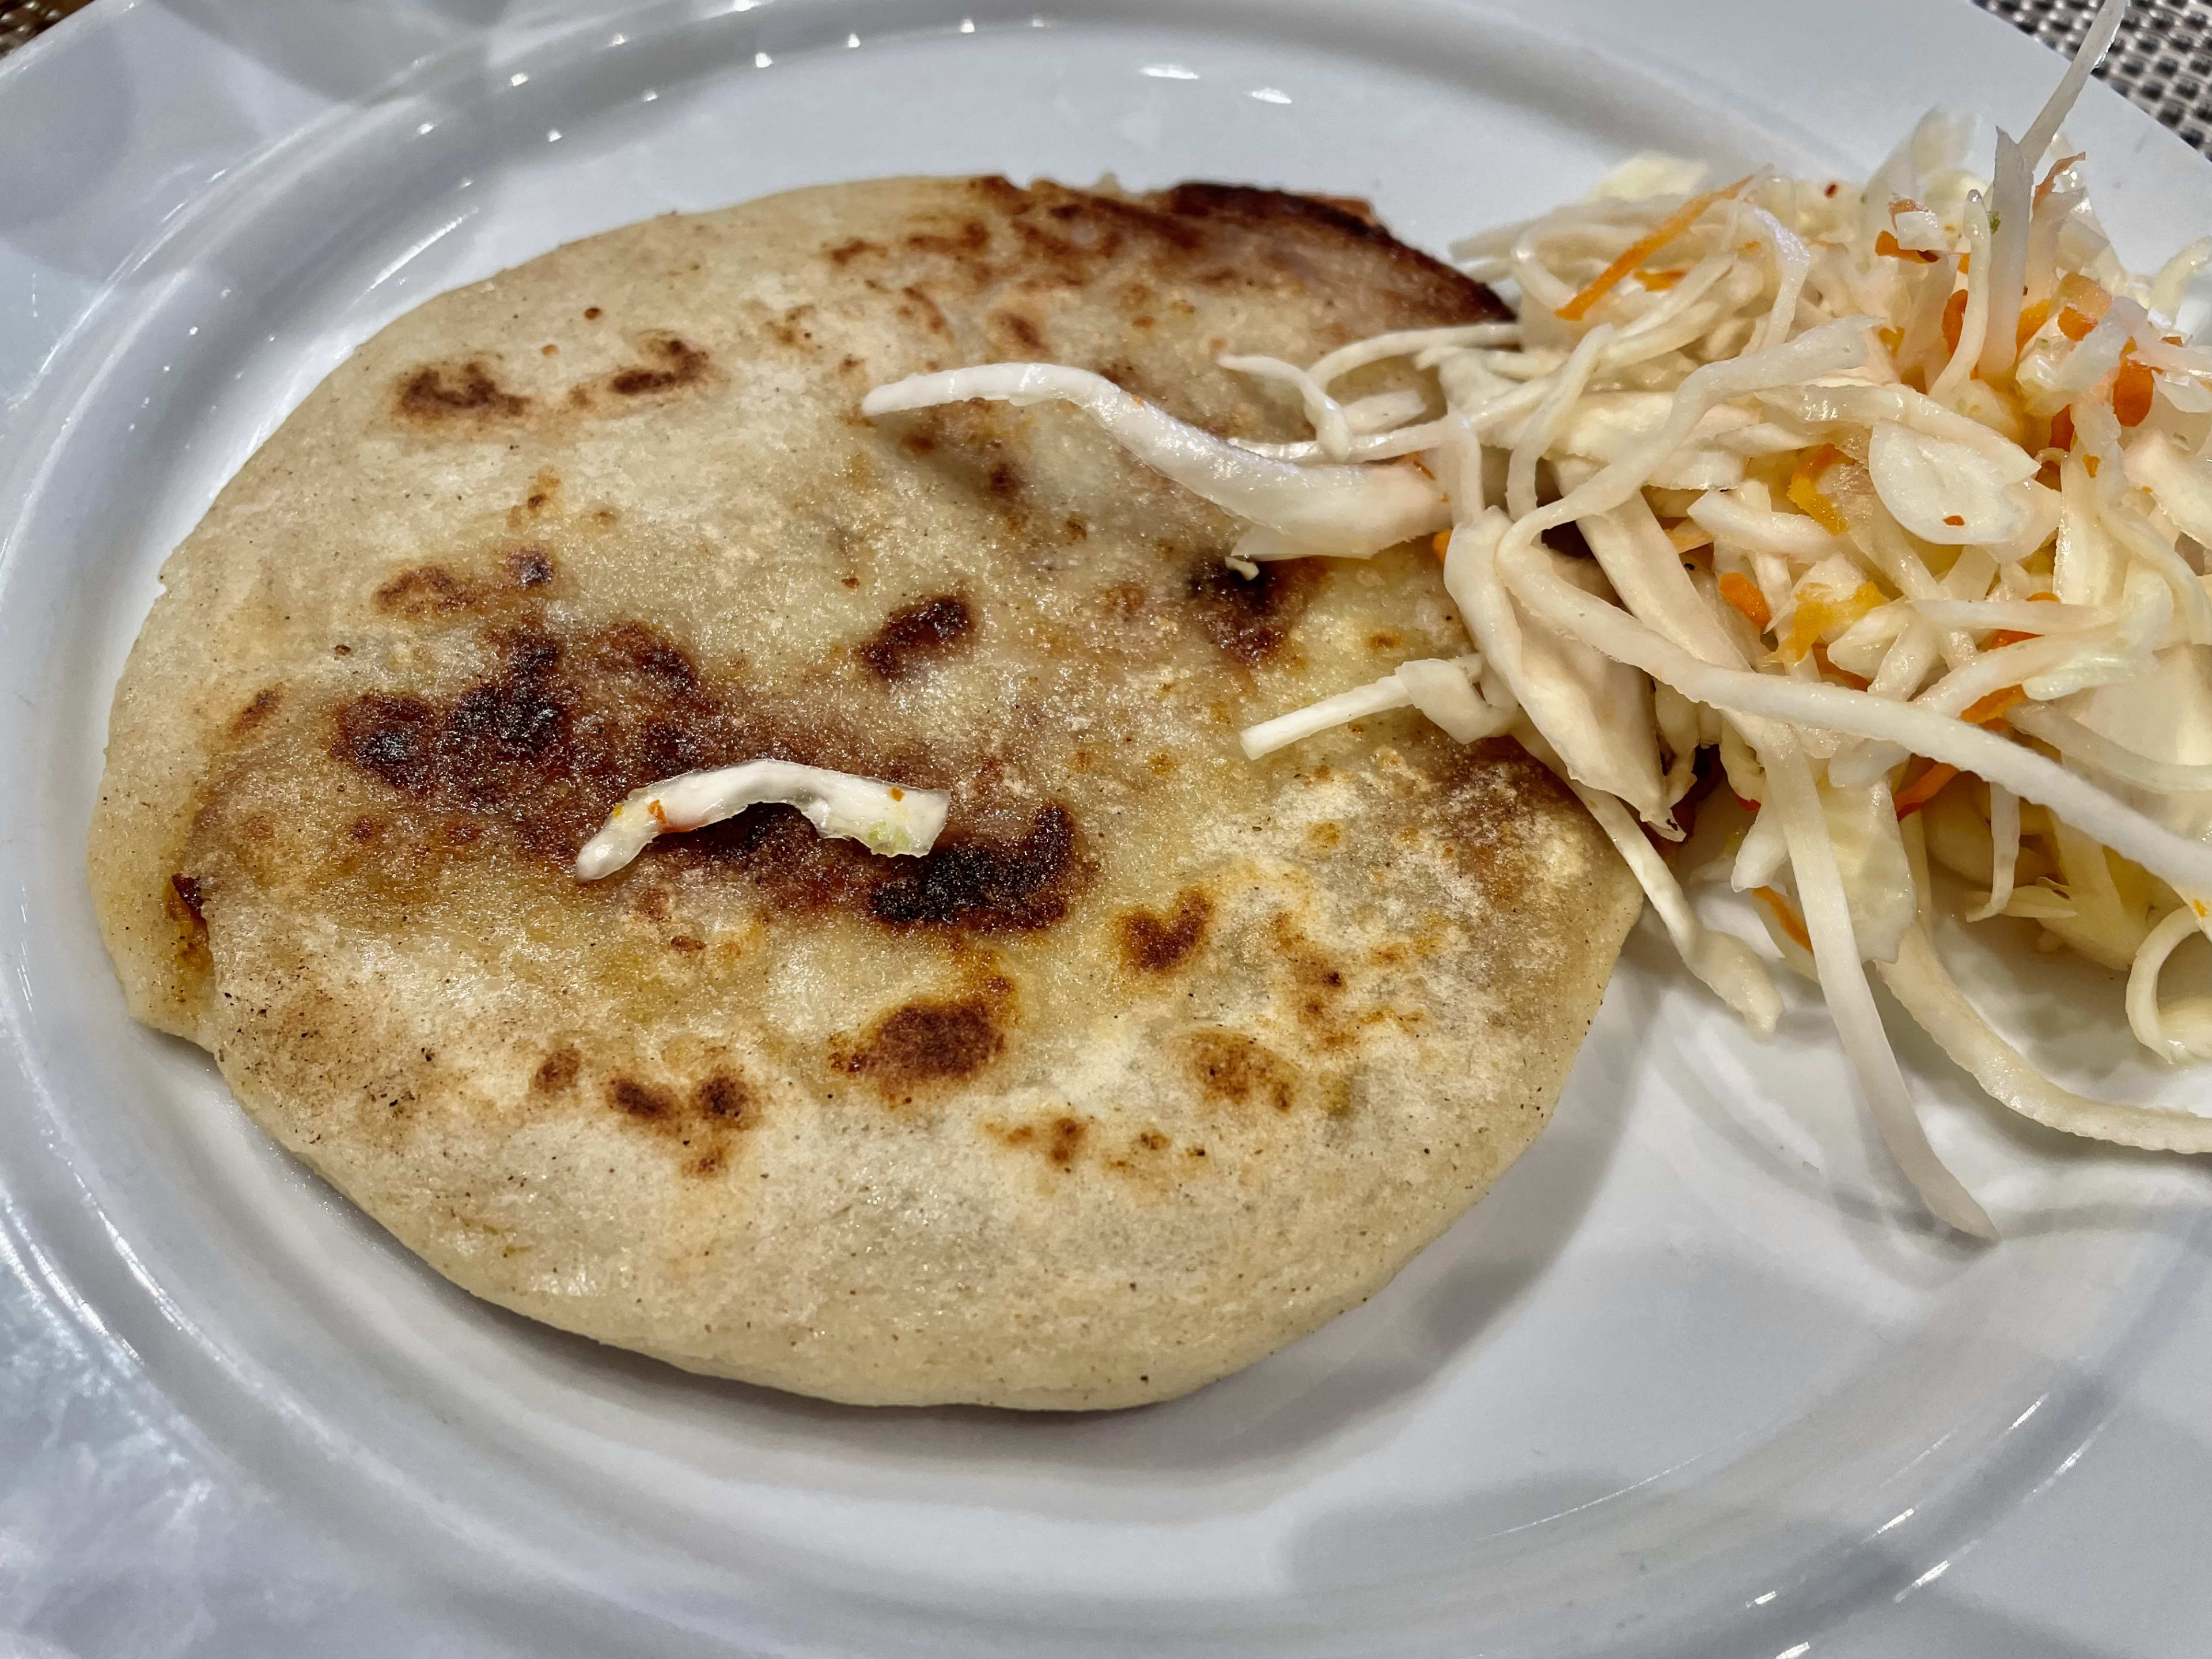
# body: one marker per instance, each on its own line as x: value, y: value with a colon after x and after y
x: 1743, y: 595
x: 1786, y: 914
x: 1816, y: 613
x: 1924, y: 788
x: 2132, y: 392
x: 1995, y: 705
x: 1890, y: 248
x: 2032, y: 319
x: 2085, y: 295
x: 1857, y: 682
x: 2062, y: 429
x: 1954, y: 320
x: 2005, y: 636
x: 2051, y: 177
x: 1642, y: 248
x: 1804, y: 489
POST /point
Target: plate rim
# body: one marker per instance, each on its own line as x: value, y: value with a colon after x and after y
x: 336, y: 116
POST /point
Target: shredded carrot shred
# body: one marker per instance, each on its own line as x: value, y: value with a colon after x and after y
x: 2013, y: 635
x: 1890, y: 248
x: 1660, y: 281
x: 1743, y: 596
x: 1786, y: 914
x: 2132, y: 392
x: 2062, y: 429
x: 1642, y: 248
x: 1817, y: 614
x: 1924, y: 788
x: 2082, y: 305
x: 2051, y: 177
x: 1857, y: 682
x: 2032, y: 319
x: 1954, y: 320
x: 1995, y: 705
x: 1688, y: 535
x: 2086, y: 295
x: 1804, y: 489
x: 1441, y: 542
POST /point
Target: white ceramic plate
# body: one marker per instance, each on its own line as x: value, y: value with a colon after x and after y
x: 1694, y: 1381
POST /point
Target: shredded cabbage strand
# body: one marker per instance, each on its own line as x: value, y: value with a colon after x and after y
x: 1350, y: 511
x: 885, y: 817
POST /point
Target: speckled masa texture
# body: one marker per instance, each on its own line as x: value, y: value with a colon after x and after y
x: 1162, y: 1059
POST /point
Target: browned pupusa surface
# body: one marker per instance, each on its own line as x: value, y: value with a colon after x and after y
x: 1162, y: 1060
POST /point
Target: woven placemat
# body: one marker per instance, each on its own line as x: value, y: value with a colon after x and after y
x: 2162, y: 59
x: 19, y: 22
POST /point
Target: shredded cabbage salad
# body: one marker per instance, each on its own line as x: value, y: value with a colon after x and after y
x: 1898, y: 497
